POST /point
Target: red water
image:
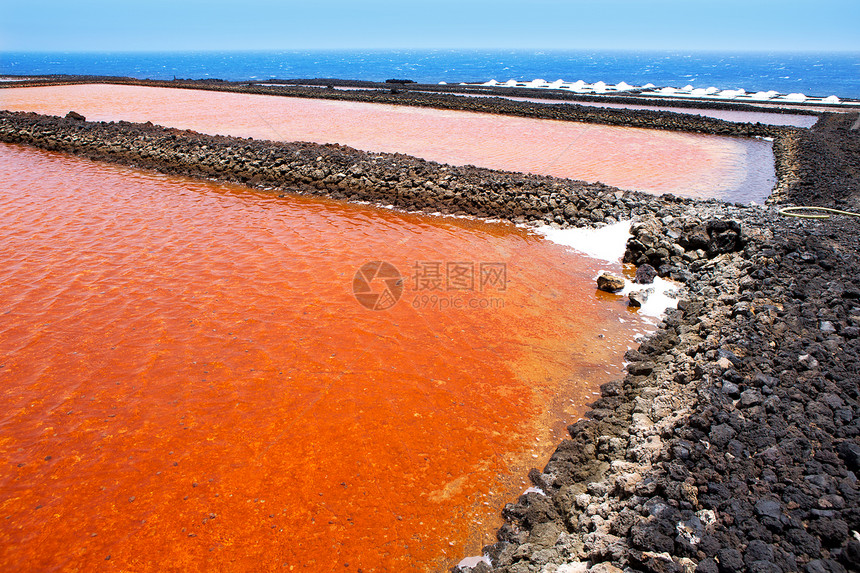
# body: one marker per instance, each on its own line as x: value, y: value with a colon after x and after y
x: 655, y: 161
x: 188, y: 383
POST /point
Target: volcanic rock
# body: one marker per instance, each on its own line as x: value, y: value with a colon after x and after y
x: 608, y: 282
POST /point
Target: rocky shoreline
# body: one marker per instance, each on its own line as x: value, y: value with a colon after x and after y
x: 733, y: 443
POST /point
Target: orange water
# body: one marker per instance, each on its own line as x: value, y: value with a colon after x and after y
x: 188, y: 383
x: 647, y: 160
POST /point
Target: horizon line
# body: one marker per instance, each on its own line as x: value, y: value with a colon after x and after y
x: 430, y: 49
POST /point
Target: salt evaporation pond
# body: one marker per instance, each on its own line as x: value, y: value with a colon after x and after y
x: 654, y: 161
x: 187, y: 381
x: 736, y: 116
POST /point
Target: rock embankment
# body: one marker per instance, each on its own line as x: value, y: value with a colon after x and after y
x: 827, y: 163
x: 733, y: 443
x: 332, y: 170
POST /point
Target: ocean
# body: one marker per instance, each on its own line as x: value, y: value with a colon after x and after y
x: 813, y: 74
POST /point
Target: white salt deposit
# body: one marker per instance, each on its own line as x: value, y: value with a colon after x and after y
x: 473, y: 561
x: 608, y: 244
x: 661, y: 295
x: 649, y: 89
x: 576, y: 567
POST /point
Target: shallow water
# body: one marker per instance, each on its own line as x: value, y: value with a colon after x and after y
x: 187, y: 380
x: 690, y: 165
x: 737, y: 116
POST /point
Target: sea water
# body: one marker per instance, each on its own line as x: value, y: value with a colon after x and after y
x: 817, y: 74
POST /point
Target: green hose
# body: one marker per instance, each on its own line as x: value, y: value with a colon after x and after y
x: 790, y: 212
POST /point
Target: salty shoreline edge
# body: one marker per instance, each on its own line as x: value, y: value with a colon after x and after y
x: 737, y: 429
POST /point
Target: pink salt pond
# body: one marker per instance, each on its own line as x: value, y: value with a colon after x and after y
x: 690, y: 165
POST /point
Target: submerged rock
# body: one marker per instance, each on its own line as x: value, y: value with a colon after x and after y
x: 637, y: 298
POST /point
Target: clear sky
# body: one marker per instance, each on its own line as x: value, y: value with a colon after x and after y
x: 154, y: 25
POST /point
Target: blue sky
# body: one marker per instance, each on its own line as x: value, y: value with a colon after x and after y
x: 154, y: 25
